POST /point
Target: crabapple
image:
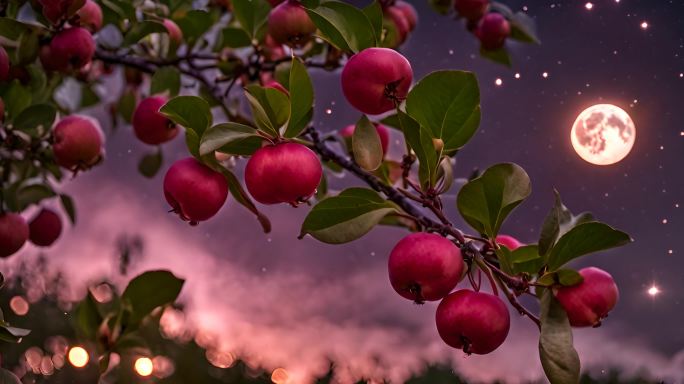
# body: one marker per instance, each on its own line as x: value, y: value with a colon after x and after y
x: 45, y: 228
x: 409, y: 12
x: 4, y: 64
x: 2, y: 110
x: 90, y: 16
x: 194, y: 191
x: 492, y: 31
x: 401, y: 24
x: 175, y: 33
x: 476, y: 322
x: 588, y: 302
x: 383, y: 132
x: 78, y: 142
x: 150, y: 126
x: 471, y: 10
x: 70, y: 49
x: 283, y: 173
x: 289, y: 24
x: 276, y: 85
x: 56, y: 10
x: 13, y: 233
x: 425, y: 266
x: 375, y: 80
x: 509, y: 242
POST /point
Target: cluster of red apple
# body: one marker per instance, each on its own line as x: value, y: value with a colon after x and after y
x: 491, y: 28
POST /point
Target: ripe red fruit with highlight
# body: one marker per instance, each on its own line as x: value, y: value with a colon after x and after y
x: 509, y: 242
x: 4, y: 64
x: 402, y: 25
x: 150, y: 126
x: 383, y: 132
x: 70, y: 49
x: 283, y: 173
x: 588, y: 302
x: 425, y: 266
x: 90, y: 16
x: 13, y: 233
x: 376, y: 79
x: 45, y: 228
x: 475, y: 322
x: 492, y: 31
x: 194, y: 191
x: 471, y: 10
x: 409, y: 12
x: 175, y: 33
x: 78, y: 142
x: 289, y: 24
x: 57, y: 10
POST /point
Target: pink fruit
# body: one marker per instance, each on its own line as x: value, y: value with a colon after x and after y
x: 175, y: 33
x: 471, y: 10
x: 588, y: 302
x: 45, y: 228
x: 57, y: 10
x: 375, y: 80
x: 276, y: 85
x: 509, y: 242
x: 409, y: 13
x: 78, y: 142
x: 13, y: 233
x: 289, y: 24
x: 150, y: 126
x: 4, y: 64
x: 194, y: 191
x: 71, y: 49
x: 283, y: 173
x: 90, y: 16
x: 476, y: 322
x: 492, y: 31
x: 425, y: 266
x: 398, y: 18
x: 348, y: 131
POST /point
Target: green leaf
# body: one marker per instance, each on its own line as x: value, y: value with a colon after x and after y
x: 252, y: 15
x: 126, y: 105
x: 526, y: 259
x: 564, y: 277
x: 36, y: 119
x: 166, y: 79
x: 347, y: 216
x: 27, y: 51
x: 584, y: 239
x: 150, y: 290
x: 343, y: 26
x: 220, y: 135
x: 194, y: 24
x: 301, y: 99
x: 143, y: 29
x: 558, y: 356
x: 499, y: 56
x: 16, y: 98
x: 523, y: 28
x: 373, y: 12
x: 270, y: 107
x: 243, y: 198
x: 69, y: 207
x: 13, y: 29
x: 191, y: 112
x: 366, y: 145
x: 88, y: 96
x: 150, y: 164
x: 33, y: 194
x: 447, y: 103
x: 7, y: 377
x: 421, y: 143
x: 558, y: 222
x: 443, y: 7
x: 232, y: 37
x: 486, y: 201
x: 12, y: 334
x: 88, y: 317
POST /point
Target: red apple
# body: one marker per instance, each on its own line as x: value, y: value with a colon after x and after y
x: 175, y: 33
x: 401, y: 24
x: 509, y: 242
x: 13, y: 233
x: 492, y: 31
x: 45, y: 228
x: 589, y: 302
x: 375, y: 80
x: 409, y: 13
x: 4, y: 64
x: 276, y: 85
x: 476, y: 322
x: 194, y: 191
x: 70, y: 49
x: 150, y: 126
x: 90, y: 16
x: 289, y: 24
x: 283, y: 173
x: 383, y: 132
x: 471, y: 10
x: 78, y: 142
x: 56, y: 11
x: 425, y: 266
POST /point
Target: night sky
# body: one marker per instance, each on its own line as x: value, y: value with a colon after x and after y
x: 291, y: 303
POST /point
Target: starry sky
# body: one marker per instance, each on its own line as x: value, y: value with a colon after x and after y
x: 290, y: 303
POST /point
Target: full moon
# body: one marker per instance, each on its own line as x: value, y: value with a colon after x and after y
x: 603, y: 134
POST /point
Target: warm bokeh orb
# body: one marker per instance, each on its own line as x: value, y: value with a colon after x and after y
x: 144, y: 366
x: 603, y: 134
x: 78, y: 357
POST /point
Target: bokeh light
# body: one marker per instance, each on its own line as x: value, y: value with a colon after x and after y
x: 78, y: 357
x: 19, y: 305
x: 144, y: 366
x: 280, y: 376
